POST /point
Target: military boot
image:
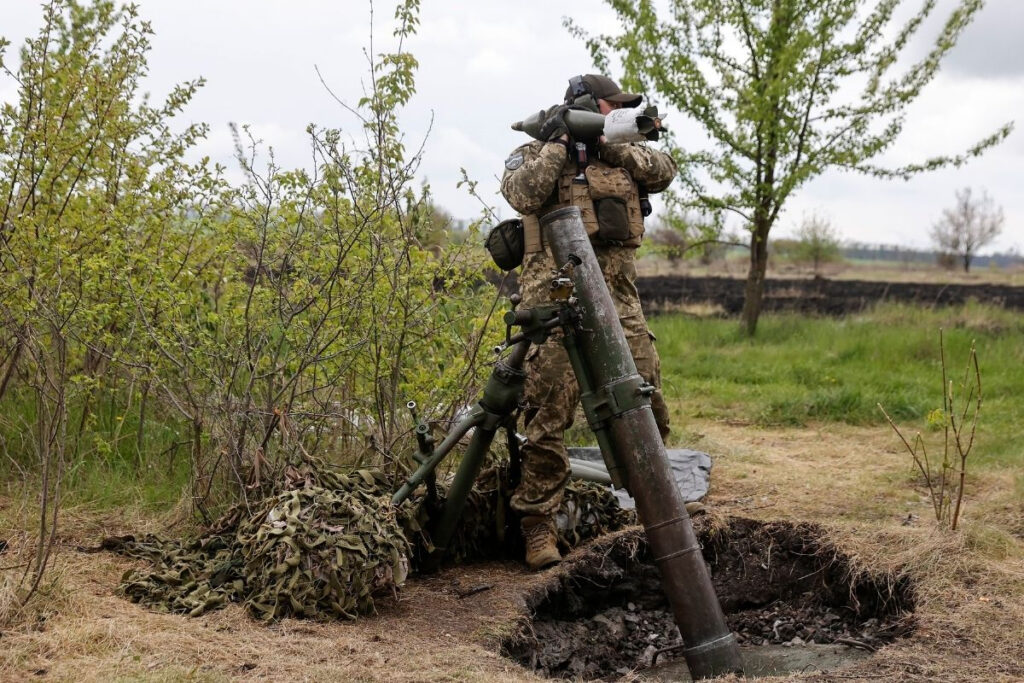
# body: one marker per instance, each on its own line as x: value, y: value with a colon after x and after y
x: 541, y: 542
x: 695, y: 508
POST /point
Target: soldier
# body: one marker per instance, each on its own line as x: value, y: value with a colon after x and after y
x: 605, y: 182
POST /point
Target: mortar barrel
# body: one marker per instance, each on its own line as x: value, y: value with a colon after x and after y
x: 619, y: 406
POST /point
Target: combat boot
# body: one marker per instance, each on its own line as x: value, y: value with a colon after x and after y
x: 695, y: 508
x: 541, y: 542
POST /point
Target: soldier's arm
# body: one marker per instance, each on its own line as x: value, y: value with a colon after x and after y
x: 531, y: 173
x: 649, y: 167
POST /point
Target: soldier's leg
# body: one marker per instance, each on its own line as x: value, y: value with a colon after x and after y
x: 549, y: 402
x: 619, y: 270
x: 550, y: 397
x: 648, y: 364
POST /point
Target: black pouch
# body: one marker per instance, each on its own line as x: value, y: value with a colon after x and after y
x: 505, y: 244
x: 612, y: 219
x: 610, y: 190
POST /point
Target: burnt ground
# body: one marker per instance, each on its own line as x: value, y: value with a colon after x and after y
x: 821, y: 296
x: 818, y: 295
x: 778, y: 583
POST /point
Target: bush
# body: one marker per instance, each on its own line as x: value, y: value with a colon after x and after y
x: 152, y: 308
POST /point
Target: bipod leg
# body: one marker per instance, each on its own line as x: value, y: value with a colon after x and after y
x: 594, y: 409
x: 443, y: 530
x: 500, y: 400
x: 515, y: 454
x: 426, y: 469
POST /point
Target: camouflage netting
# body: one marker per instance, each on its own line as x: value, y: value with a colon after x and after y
x: 323, y: 547
x: 327, y: 543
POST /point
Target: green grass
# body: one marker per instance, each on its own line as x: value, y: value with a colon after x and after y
x: 799, y: 370
x: 105, y: 468
x: 796, y: 371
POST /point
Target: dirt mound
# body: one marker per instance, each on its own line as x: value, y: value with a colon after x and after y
x: 779, y: 584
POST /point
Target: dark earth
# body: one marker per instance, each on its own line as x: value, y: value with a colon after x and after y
x: 818, y: 295
x: 778, y: 583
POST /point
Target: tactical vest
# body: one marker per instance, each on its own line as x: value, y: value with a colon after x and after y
x: 608, y: 199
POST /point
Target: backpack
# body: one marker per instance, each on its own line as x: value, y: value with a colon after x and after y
x: 505, y: 244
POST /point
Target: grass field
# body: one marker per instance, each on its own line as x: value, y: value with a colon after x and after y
x: 799, y: 371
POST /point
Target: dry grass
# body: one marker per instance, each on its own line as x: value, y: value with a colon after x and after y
x: 968, y: 585
x: 855, y: 481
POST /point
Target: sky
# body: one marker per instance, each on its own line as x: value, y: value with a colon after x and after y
x: 485, y: 64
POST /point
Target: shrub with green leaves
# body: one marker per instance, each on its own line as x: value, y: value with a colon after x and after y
x: 150, y: 309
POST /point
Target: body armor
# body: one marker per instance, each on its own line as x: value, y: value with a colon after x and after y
x: 608, y: 198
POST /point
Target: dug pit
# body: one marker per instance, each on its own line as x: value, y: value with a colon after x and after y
x: 794, y: 602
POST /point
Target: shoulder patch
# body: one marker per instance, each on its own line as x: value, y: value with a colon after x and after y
x: 514, y: 161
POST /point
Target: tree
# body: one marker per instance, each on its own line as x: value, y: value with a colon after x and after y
x: 817, y: 242
x: 968, y: 226
x: 667, y: 242
x: 89, y: 170
x: 785, y: 90
x: 702, y: 236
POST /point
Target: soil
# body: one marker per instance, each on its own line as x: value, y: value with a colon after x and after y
x: 779, y: 584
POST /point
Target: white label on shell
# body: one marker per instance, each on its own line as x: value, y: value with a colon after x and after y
x: 620, y: 126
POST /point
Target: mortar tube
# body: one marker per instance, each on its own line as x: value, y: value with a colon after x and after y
x: 620, y: 407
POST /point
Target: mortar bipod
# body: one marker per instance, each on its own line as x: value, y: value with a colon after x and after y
x: 496, y: 409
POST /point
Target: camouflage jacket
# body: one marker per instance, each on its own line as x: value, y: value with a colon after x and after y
x: 532, y: 170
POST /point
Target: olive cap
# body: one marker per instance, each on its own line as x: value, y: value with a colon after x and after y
x: 604, y: 88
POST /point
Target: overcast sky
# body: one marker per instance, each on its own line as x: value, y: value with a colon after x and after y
x: 486, y: 64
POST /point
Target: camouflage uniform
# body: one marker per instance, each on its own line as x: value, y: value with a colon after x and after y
x: 551, y: 395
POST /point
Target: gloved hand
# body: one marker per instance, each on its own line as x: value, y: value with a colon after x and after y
x: 554, y: 123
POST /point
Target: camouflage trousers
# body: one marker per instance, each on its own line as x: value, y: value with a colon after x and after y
x: 552, y: 393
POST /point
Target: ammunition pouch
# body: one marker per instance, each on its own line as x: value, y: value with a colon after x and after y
x: 533, y: 241
x: 609, y: 203
x: 506, y: 244
x: 616, y: 201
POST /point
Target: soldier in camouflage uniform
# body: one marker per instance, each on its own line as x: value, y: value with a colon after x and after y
x: 542, y: 176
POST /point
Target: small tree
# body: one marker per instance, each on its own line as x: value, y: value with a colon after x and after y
x: 89, y: 171
x: 668, y: 243
x: 785, y: 90
x: 958, y: 421
x: 968, y: 226
x: 817, y: 242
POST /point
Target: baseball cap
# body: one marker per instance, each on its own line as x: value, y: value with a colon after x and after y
x: 604, y: 88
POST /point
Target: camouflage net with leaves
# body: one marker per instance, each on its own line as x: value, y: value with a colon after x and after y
x: 327, y: 543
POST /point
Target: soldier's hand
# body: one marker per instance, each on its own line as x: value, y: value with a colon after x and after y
x: 554, y: 125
